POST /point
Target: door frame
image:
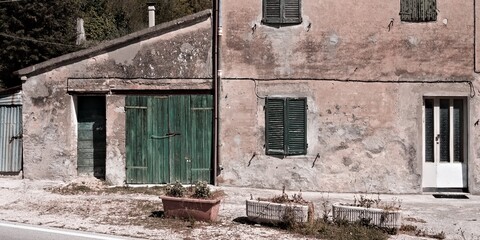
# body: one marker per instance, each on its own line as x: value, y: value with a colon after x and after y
x: 75, y: 111
x: 466, y: 136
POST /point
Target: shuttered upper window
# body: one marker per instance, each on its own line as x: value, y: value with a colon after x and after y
x: 418, y: 10
x: 286, y: 126
x: 282, y: 11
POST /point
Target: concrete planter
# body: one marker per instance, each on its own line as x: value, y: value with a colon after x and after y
x: 198, y: 209
x: 268, y: 212
x: 379, y: 217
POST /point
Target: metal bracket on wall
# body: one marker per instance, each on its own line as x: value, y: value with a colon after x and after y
x: 314, y: 161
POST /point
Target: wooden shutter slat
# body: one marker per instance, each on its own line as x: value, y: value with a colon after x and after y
x: 418, y: 10
x: 296, y: 126
x: 292, y: 8
x: 282, y: 11
x: 272, y: 11
x: 430, y: 10
x: 275, y: 126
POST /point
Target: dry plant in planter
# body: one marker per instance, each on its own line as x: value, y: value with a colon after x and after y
x: 368, y: 211
x: 280, y: 209
x: 195, y: 202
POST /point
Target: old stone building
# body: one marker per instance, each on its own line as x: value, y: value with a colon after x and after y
x: 350, y: 96
x: 370, y: 96
x: 117, y: 111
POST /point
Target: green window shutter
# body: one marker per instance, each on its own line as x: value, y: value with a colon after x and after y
x: 430, y: 10
x: 275, y: 125
x: 282, y: 11
x: 272, y: 10
x: 292, y: 11
x: 405, y: 10
x: 296, y: 126
x: 286, y: 126
x: 418, y: 10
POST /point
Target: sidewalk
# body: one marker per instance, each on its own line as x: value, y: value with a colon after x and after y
x: 129, y: 213
x: 455, y: 217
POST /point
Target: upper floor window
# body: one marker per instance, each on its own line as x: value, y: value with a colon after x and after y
x: 418, y: 10
x: 282, y: 11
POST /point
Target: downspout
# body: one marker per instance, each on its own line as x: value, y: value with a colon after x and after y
x: 217, y: 73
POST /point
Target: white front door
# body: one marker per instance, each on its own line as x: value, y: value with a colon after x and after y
x: 444, y: 142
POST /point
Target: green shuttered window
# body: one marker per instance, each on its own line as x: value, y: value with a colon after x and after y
x: 282, y: 11
x: 418, y: 10
x: 286, y: 126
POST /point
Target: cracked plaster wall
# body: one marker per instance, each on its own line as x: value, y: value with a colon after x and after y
x: 49, y: 115
x: 367, y: 133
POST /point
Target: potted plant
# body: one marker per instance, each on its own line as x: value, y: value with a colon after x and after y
x: 370, y: 211
x: 280, y: 209
x: 196, y: 202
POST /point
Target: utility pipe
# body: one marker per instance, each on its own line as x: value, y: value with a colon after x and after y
x: 217, y: 31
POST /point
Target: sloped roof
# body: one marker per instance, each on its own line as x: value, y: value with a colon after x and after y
x: 115, y: 44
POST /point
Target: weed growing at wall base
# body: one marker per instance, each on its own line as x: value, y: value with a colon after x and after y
x: 340, y: 230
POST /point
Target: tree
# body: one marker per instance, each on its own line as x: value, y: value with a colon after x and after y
x: 33, y: 31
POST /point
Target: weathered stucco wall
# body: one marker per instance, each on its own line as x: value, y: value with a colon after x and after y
x: 174, y: 60
x: 115, y: 164
x: 368, y: 136
x: 349, y: 41
x: 363, y: 83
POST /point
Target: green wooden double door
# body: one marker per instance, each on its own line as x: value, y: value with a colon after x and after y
x: 169, y: 138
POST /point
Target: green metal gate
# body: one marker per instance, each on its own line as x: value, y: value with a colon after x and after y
x: 169, y: 138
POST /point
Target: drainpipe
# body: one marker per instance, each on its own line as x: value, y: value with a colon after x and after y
x: 217, y: 74
x: 151, y: 13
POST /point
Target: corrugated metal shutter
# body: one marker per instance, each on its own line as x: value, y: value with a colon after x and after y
x: 418, y: 10
x: 10, y: 138
x: 11, y: 99
x: 296, y: 126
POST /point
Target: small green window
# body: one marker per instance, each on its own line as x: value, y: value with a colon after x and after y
x: 418, y: 10
x: 286, y: 126
x: 282, y: 12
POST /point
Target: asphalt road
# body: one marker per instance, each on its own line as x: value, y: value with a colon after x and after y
x: 17, y: 231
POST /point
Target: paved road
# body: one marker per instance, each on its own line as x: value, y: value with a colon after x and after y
x: 16, y: 231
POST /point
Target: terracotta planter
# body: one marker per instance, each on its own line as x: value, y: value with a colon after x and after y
x: 268, y: 212
x: 378, y: 217
x: 198, y: 209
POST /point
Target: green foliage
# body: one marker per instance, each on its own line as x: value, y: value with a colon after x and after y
x: 340, y: 230
x: 45, y: 21
x: 32, y: 31
x: 167, y: 10
x: 201, y: 190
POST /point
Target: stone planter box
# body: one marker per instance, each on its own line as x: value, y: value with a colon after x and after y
x: 198, y: 209
x: 268, y: 212
x: 379, y: 217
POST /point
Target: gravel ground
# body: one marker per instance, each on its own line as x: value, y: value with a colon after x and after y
x: 87, y: 204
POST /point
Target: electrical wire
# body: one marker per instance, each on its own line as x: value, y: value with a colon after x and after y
x: 10, y: 1
x: 35, y: 40
x: 256, y: 90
